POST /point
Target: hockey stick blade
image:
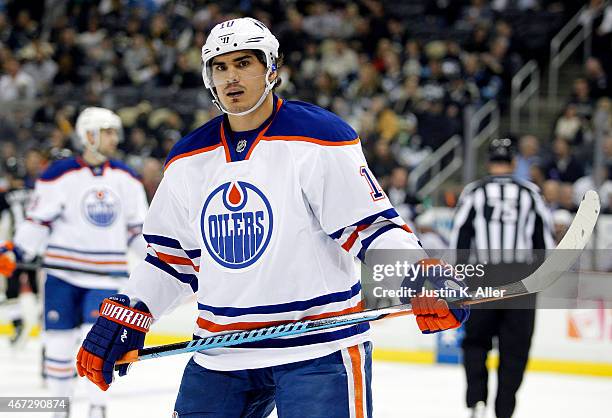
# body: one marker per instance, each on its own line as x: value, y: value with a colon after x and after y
x: 558, y: 261
x: 576, y: 238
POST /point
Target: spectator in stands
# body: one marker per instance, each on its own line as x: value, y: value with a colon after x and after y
x: 151, y: 176
x: 598, y: 18
x: 407, y: 98
x: 488, y: 84
x: 413, y: 60
x: 434, y: 124
x: 23, y: 32
x: 183, y: 76
x: 529, y: 147
x: 339, y: 60
x: 586, y: 183
x: 38, y: 63
x: 139, y: 61
x: 427, y: 232
x: 382, y: 162
x: 58, y: 145
x: 366, y: 85
x: 499, y: 63
x: 92, y: 38
x: 477, y: 12
x: 598, y: 80
x: 138, y: 144
x: 34, y: 165
x: 607, y: 154
x: 398, y: 194
x: 569, y: 125
x: 69, y: 57
x: 566, y: 197
x: 16, y: 84
x: 479, y: 40
x: 292, y: 37
x: 5, y: 28
x: 562, y: 219
x: 564, y: 167
x: 581, y: 98
x: 551, y: 191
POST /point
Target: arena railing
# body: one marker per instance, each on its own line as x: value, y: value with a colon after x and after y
x: 432, y: 170
x: 481, y: 126
x: 523, y: 93
x: 563, y: 45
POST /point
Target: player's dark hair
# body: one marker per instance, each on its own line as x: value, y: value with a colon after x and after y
x: 261, y: 57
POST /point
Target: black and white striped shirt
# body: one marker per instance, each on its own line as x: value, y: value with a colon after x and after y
x: 501, y: 213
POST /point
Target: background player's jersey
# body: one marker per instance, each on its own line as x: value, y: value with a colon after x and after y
x: 83, y: 218
x: 264, y: 226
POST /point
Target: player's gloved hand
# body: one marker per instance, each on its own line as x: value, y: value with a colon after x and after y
x: 7, y: 259
x: 118, y: 330
x: 433, y: 313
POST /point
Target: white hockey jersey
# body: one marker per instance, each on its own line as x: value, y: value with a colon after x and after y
x: 82, y: 219
x: 264, y: 226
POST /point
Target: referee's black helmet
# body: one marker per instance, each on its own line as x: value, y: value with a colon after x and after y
x: 501, y: 150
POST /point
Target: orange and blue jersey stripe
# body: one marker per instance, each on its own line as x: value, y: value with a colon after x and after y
x: 168, y: 255
x: 113, y: 263
x: 357, y: 238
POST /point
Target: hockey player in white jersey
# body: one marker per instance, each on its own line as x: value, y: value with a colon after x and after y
x: 84, y: 214
x: 261, y: 212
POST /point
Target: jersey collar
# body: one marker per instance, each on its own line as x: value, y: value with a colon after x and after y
x: 96, y: 170
x: 239, y: 146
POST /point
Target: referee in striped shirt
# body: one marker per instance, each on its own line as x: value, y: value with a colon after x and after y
x: 500, y: 220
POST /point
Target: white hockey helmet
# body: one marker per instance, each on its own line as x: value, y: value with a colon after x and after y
x: 238, y: 35
x: 92, y: 119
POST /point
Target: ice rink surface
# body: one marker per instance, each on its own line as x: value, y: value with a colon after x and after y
x: 400, y: 390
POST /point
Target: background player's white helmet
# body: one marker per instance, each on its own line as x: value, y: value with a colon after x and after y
x: 92, y: 119
x: 237, y: 35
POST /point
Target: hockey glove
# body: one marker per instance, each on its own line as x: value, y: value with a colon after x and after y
x: 433, y: 313
x: 7, y: 259
x: 119, y: 329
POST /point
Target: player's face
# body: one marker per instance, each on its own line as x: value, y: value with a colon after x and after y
x: 108, y: 141
x: 239, y: 78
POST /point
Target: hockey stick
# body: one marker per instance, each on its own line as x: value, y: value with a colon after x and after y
x: 576, y: 238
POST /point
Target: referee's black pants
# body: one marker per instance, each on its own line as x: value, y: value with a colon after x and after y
x: 513, y: 329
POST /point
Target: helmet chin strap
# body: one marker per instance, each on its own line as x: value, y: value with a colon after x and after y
x: 93, y: 148
x: 267, y: 90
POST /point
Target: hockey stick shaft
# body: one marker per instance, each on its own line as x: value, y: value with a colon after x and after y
x: 576, y: 238
x: 284, y: 330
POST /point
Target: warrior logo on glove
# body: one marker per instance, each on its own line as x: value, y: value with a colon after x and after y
x: 119, y: 329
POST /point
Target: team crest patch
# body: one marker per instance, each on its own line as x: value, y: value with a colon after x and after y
x: 101, y: 206
x: 236, y: 224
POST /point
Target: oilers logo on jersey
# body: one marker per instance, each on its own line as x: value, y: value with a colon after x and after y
x: 236, y: 224
x: 101, y: 207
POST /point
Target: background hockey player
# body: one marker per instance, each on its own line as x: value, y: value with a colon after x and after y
x: 84, y: 213
x: 261, y: 212
x: 505, y: 219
